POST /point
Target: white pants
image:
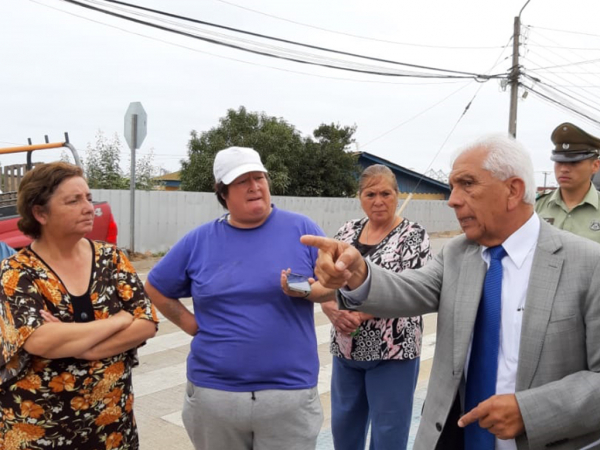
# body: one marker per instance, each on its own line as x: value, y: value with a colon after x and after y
x: 260, y: 420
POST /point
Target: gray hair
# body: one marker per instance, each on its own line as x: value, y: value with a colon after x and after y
x: 377, y: 171
x: 506, y: 158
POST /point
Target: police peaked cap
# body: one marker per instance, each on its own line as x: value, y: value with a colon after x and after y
x: 572, y: 144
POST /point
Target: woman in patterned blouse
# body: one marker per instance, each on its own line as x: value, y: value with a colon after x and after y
x: 376, y: 361
x: 72, y: 313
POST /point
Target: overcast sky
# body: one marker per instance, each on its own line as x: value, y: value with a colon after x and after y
x: 65, y: 68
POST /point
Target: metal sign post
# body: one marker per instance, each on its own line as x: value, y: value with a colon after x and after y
x: 136, y: 122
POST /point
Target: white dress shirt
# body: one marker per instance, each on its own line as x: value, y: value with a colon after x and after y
x: 516, y: 269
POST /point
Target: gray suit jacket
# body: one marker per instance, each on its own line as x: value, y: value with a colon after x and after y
x: 558, y: 384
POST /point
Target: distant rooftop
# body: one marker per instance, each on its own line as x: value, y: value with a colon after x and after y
x: 173, y: 176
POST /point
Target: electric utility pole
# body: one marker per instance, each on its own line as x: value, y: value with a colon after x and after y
x: 514, y: 75
x: 514, y: 79
x: 546, y: 173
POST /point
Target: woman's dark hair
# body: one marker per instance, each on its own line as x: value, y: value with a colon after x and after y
x: 222, y: 189
x: 36, y: 188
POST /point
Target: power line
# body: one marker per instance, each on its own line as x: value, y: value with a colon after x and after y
x: 562, y: 47
x: 284, y: 40
x: 564, y: 99
x: 583, y: 94
x: 553, y: 74
x: 355, y: 35
x: 544, y: 64
x: 576, y: 95
x: 556, y: 102
x: 550, y: 79
x: 457, y: 122
x: 547, y: 86
x: 415, y: 116
x: 562, y: 109
x: 441, y: 101
x: 448, y: 137
x: 243, y: 61
x: 558, y: 66
x: 570, y: 72
x: 574, y: 86
x: 457, y: 74
x: 463, y: 113
x: 550, y: 65
x: 307, y: 56
x: 580, y: 57
x: 566, y: 31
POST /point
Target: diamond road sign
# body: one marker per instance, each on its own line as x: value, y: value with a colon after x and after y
x: 136, y: 125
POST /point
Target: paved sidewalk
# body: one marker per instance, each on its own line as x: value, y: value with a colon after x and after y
x: 159, y: 380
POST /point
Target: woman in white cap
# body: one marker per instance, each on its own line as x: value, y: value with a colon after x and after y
x: 253, y: 365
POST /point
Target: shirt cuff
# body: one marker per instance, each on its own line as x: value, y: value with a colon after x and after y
x: 356, y: 297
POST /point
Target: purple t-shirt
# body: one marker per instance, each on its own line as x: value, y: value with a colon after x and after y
x: 251, y: 336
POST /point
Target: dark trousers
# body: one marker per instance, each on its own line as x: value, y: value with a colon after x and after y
x: 453, y: 437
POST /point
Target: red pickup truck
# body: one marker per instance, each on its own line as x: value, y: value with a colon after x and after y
x: 105, y: 227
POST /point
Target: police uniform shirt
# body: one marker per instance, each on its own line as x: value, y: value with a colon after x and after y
x: 583, y: 219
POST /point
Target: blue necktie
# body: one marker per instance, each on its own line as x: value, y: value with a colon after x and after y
x: 483, y: 365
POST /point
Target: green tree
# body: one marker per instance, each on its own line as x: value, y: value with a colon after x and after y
x: 102, y: 163
x: 297, y: 166
x: 145, y: 172
x: 103, y: 166
x: 332, y: 170
x: 66, y: 157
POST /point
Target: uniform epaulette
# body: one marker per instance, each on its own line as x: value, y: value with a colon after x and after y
x: 543, y: 193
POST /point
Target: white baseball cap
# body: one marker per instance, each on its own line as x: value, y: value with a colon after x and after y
x: 235, y: 161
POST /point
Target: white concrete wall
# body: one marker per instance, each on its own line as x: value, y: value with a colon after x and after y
x: 162, y: 218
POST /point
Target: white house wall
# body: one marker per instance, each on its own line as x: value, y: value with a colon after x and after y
x: 163, y: 217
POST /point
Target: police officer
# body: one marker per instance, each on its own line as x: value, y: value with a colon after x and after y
x: 575, y: 205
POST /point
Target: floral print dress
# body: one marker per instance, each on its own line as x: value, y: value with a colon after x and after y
x: 405, y: 247
x: 66, y: 403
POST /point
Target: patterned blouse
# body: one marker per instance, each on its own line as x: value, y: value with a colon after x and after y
x: 66, y: 403
x: 405, y: 247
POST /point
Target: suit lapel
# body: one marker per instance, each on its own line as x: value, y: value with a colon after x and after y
x: 543, y: 281
x: 468, y: 295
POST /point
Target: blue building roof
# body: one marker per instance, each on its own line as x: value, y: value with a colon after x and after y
x: 408, y: 180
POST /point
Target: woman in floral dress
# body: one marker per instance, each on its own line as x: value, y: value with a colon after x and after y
x: 376, y: 361
x: 72, y: 313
